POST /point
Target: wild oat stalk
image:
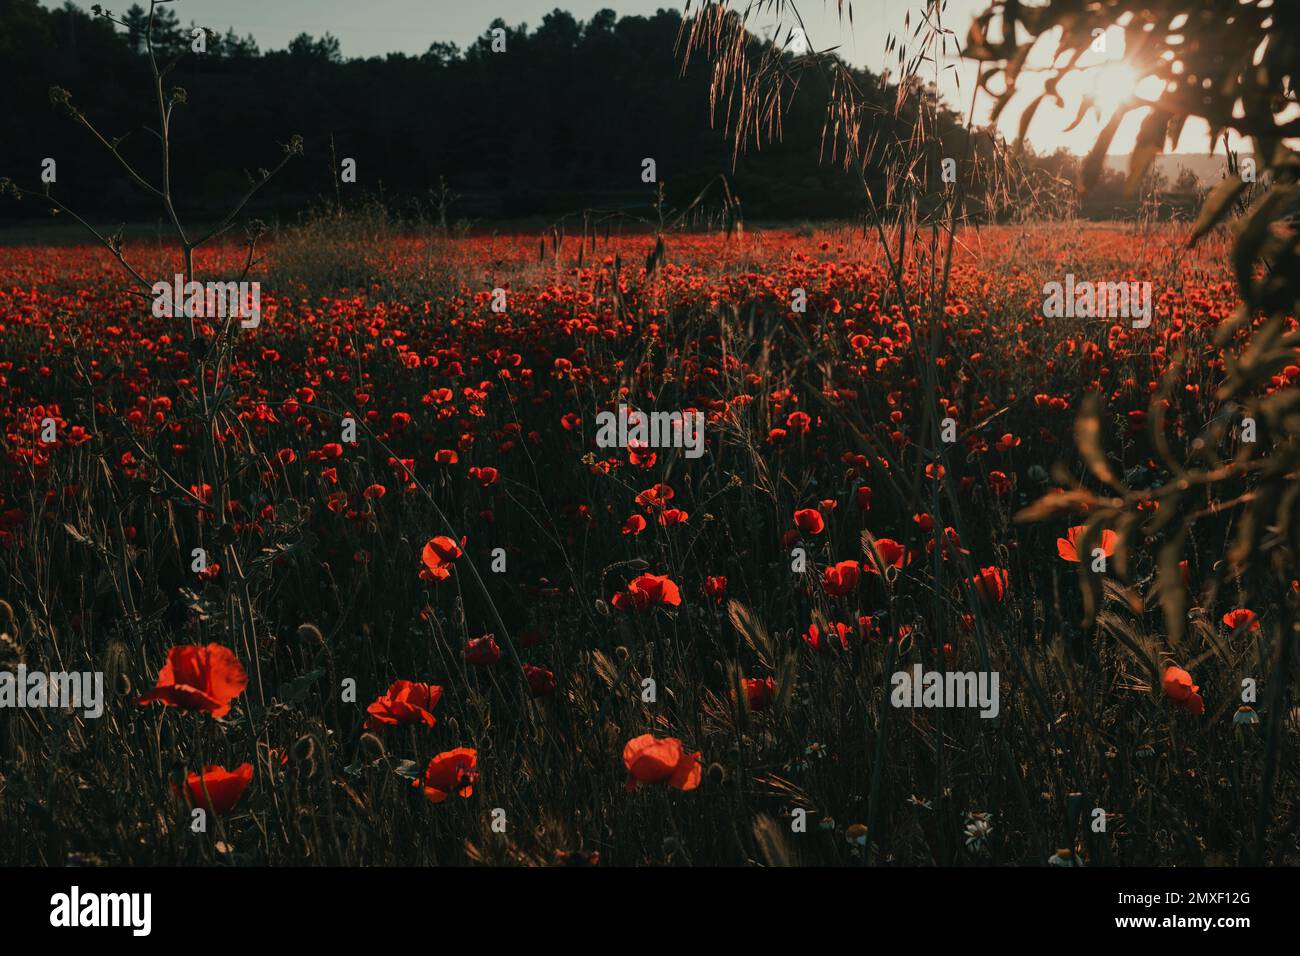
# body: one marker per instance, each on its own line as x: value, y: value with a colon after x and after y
x: 749, y: 88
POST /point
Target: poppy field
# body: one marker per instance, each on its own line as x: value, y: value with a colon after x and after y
x: 365, y: 589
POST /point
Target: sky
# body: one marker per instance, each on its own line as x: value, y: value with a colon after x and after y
x: 376, y: 27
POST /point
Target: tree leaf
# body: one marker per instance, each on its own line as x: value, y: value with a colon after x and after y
x: 1092, y: 164
x: 1027, y: 117
x: 1085, y: 104
x: 1218, y: 202
x: 1087, y: 437
x: 1150, y: 141
x: 1173, y: 596
x: 1054, y: 503
x: 1254, y: 233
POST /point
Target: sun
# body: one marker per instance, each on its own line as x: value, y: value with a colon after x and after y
x: 1112, y: 85
x: 1091, y: 96
x: 1088, y: 96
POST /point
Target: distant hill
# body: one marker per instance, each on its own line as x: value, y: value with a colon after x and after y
x: 1208, y: 168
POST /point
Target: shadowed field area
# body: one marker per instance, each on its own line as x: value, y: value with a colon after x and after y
x: 440, y: 633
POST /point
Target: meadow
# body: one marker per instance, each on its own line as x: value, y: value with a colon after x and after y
x: 367, y: 567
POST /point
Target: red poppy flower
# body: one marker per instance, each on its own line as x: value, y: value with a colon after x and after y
x: 451, y: 772
x: 405, y: 702
x: 223, y: 787
x: 1241, y: 617
x: 809, y: 521
x: 641, y: 459
x: 716, y: 587
x: 651, y: 759
x: 634, y: 525
x: 759, y: 692
x: 1178, y: 687
x: 841, y: 578
x: 991, y: 584
x: 437, y: 556
x: 892, y: 555
x: 646, y: 591
x: 541, y: 682
x: 1067, y: 547
x: 483, y: 651
x: 798, y: 422
x: 950, y: 542
x: 814, y: 638
x: 656, y: 496
x: 199, y: 678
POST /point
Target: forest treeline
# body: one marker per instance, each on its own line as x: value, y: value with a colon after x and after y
x: 559, y: 122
